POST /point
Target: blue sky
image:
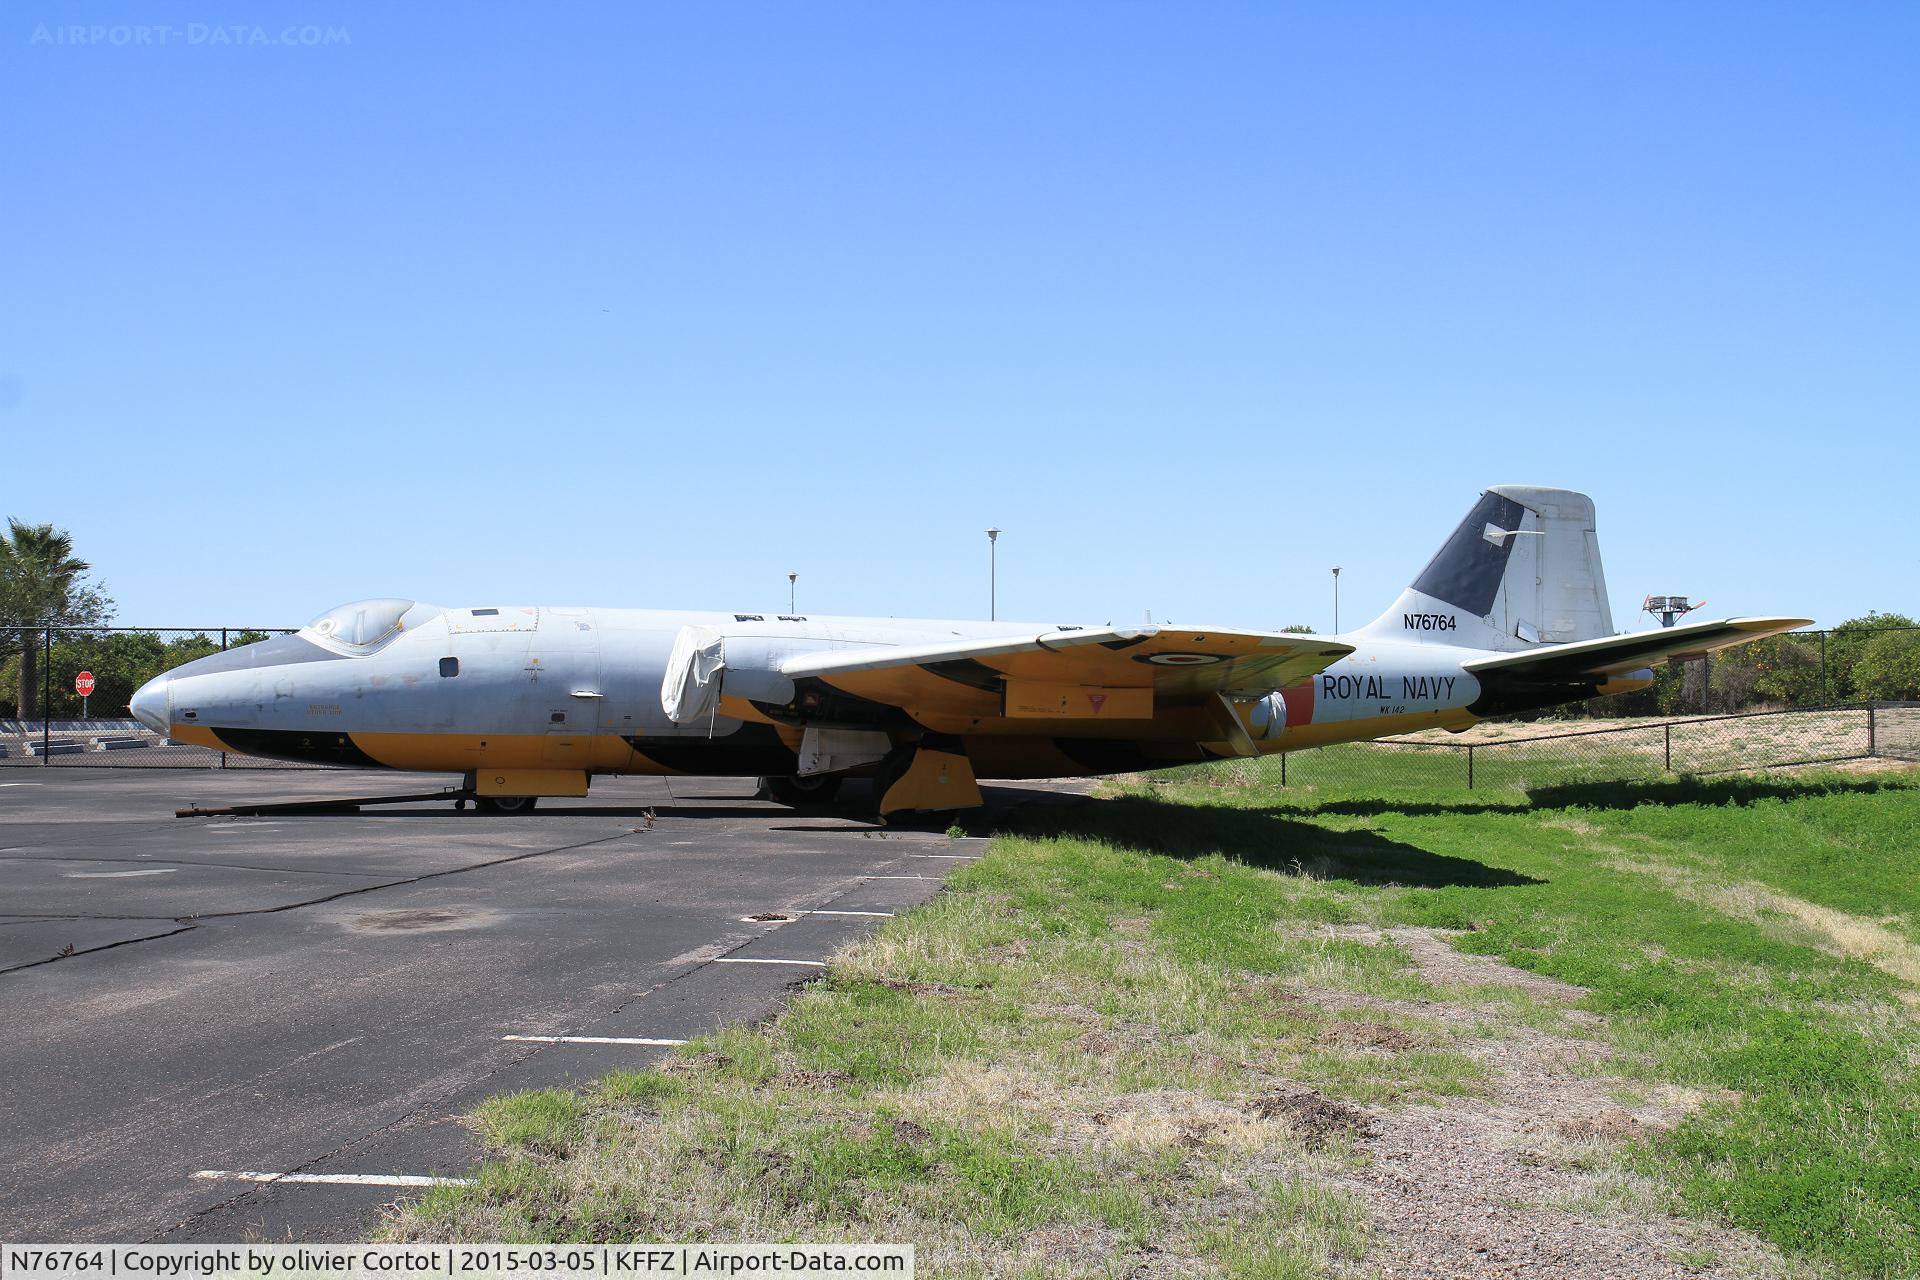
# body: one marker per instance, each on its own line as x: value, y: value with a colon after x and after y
x: 650, y: 304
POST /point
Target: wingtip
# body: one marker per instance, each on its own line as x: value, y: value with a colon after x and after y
x: 1769, y: 624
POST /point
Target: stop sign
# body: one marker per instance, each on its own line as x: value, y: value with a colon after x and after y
x: 83, y: 684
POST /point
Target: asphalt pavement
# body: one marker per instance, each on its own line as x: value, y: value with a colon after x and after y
x: 264, y: 1028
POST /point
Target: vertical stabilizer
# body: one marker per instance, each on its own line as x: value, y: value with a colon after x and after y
x: 1522, y: 569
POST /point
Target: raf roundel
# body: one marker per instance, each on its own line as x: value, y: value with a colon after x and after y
x: 1181, y: 659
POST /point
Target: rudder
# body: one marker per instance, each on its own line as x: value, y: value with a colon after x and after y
x: 1522, y: 569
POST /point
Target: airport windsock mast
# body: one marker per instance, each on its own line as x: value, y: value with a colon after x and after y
x: 1669, y: 609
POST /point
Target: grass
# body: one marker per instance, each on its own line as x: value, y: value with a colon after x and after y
x: 1057, y: 1065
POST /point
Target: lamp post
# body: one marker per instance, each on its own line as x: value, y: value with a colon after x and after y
x: 793, y: 580
x: 993, y: 574
x: 1336, y: 599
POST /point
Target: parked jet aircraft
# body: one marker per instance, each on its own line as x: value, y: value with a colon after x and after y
x: 1511, y: 614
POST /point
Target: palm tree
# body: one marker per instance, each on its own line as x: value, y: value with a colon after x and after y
x: 39, y: 577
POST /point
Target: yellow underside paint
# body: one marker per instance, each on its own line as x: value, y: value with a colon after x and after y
x: 1038, y: 699
x: 196, y: 735
x: 935, y: 780
x: 997, y: 748
x: 1299, y: 737
x: 530, y: 782
x: 461, y: 752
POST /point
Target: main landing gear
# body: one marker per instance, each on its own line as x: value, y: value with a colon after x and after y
x: 505, y: 805
x: 801, y: 793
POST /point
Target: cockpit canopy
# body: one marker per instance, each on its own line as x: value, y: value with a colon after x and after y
x: 366, y: 625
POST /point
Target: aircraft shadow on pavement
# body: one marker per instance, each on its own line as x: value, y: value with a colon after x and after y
x: 1267, y: 839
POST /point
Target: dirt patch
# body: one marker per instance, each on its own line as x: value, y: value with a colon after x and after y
x: 1366, y: 1035
x: 1504, y: 1183
x: 1314, y: 1119
x: 801, y: 1078
x: 920, y: 988
x: 1451, y: 970
x: 1616, y: 1124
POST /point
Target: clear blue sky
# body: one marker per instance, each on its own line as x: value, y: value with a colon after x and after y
x: 649, y: 304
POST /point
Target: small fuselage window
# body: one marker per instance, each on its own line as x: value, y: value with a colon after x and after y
x: 449, y: 666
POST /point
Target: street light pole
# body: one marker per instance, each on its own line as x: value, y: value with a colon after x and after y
x: 1336, y: 599
x: 993, y: 574
x: 793, y: 580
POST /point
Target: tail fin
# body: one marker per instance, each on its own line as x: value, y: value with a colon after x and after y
x: 1522, y: 569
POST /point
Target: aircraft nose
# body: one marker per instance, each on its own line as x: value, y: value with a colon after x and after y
x: 149, y: 705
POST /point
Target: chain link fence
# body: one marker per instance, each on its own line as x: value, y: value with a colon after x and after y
x: 45, y: 720
x: 1516, y: 756
x: 1802, y: 669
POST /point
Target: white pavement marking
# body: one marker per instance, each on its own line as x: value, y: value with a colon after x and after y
x: 816, y: 964
x: 792, y: 914
x: 969, y: 857
x: 898, y: 877
x: 22, y: 784
x: 592, y: 1040
x: 335, y: 1179
x: 118, y: 875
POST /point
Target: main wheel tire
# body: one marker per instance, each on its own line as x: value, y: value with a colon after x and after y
x: 800, y: 793
x: 504, y: 805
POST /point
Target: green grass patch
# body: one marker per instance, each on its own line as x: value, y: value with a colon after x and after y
x: 1053, y: 1068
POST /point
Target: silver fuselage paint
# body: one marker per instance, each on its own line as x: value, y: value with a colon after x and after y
x: 523, y: 671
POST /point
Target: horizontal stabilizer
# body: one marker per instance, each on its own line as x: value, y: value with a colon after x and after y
x: 1617, y: 655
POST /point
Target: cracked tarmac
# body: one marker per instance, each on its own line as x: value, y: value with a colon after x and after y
x: 324, y: 994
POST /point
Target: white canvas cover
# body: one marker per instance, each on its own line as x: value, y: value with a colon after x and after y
x: 690, y: 689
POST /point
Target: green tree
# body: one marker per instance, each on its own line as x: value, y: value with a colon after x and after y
x: 1782, y: 671
x: 1846, y: 644
x: 1889, y: 667
x: 42, y: 584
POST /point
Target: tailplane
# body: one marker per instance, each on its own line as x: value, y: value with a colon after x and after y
x: 1523, y: 569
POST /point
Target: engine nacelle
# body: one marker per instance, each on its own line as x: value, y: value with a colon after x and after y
x: 1268, y: 719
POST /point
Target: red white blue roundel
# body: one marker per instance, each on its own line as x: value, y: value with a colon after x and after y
x: 1181, y: 659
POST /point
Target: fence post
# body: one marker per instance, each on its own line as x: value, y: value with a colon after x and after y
x: 46, y: 697
x: 1469, y: 766
x: 1823, y: 668
x: 1283, y: 768
x: 1666, y: 761
x: 1872, y: 742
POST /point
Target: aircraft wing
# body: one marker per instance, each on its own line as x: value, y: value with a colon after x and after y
x: 1121, y: 670
x: 1616, y: 655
